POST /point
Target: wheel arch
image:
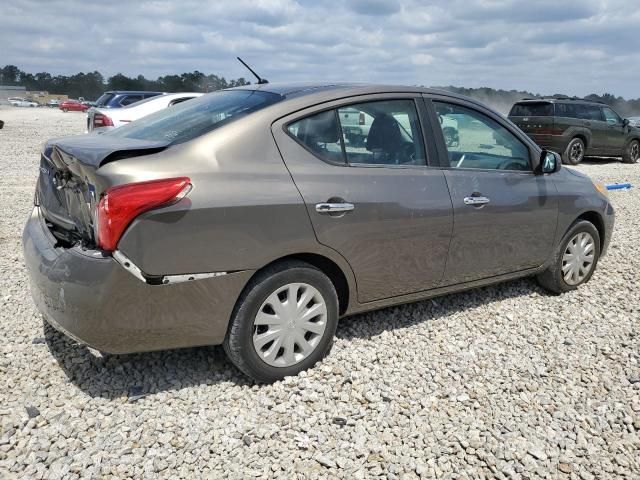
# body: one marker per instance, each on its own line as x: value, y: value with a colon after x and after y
x: 327, y: 266
x: 596, y: 219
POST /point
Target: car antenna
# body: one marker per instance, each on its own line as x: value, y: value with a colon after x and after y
x: 261, y: 80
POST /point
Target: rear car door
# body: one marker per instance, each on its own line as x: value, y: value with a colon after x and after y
x: 505, y: 216
x: 374, y: 200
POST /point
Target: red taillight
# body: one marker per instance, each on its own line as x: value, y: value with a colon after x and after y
x: 120, y: 205
x: 101, y: 120
x: 361, y: 119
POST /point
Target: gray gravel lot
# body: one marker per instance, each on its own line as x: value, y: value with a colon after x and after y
x: 498, y: 382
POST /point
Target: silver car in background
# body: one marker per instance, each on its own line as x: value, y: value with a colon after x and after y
x: 103, y: 119
x: 249, y: 218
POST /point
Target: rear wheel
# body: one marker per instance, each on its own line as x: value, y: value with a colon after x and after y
x: 632, y: 153
x: 283, y: 323
x: 574, y: 153
x: 574, y: 260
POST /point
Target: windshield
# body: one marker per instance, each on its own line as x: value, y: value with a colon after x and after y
x: 196, y: 117
x: 531, y: 109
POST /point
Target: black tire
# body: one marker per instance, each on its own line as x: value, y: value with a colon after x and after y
x: 238, y: 343
x: 632, y: 152
x: 552, y: 278
x: 570, y: 156
x: 65, y: 110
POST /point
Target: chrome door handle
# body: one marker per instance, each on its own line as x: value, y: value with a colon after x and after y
x: 476, y: 200
x: 334, y: 207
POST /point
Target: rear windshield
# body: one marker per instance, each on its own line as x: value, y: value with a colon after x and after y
x: 530, y: 109
x: 104, y: 99
x: 189, y: 120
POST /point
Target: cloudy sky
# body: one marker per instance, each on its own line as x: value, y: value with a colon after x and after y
x: 545, y: 46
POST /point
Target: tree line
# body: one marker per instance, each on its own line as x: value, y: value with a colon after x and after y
x: 92, y: 84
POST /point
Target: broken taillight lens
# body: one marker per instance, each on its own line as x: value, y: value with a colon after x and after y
x: 121, y: 204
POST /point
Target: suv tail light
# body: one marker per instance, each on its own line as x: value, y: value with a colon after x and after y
x: 121, y: 204
x: 101, y: 120
x: 361, y: 118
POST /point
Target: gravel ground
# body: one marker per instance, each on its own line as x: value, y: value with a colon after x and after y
x: 498, y: 382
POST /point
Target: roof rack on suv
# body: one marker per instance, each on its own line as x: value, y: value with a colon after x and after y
x: 564, y: 97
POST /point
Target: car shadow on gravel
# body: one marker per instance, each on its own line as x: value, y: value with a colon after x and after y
x: 135, y: 376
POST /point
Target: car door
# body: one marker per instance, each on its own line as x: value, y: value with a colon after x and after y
x: 616, y: 133
x: 376, y: 201
x: 592, y: 118
x: 505, y: 216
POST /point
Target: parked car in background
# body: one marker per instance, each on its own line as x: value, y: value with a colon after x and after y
x: 577, y: 128
x: 243, y: 217
x: 22, y: 102
x: 122, y: 98
x: 72, y: 106
x: 634, y: 121
x: 53, y: 103
x: 117, y: 99
x: 102, y: 119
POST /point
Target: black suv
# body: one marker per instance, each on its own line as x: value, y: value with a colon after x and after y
x: 576, y: 128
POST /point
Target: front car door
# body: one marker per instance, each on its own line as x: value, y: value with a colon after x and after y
x: 505, y: 216
x: 371, y: 194
x: 616, y: 134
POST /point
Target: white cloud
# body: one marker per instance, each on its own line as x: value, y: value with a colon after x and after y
x: 545, y: 46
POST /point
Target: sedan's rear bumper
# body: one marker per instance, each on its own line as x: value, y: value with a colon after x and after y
x: 93, y: 299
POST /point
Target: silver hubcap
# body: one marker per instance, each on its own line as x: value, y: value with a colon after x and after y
x: 578, y: 258
x: 576, y: 152
x: 289, y: 325
x: 635, y: 151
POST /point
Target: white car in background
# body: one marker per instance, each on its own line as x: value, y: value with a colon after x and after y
x: 22, y: 102
x: 100, y: 120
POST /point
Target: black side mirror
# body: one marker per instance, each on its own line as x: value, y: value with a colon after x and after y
x: 625, y: 122
x: 550, y: 162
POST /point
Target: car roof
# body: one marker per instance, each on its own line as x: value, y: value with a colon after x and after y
x: 561, y: 100
x: 296, y: 89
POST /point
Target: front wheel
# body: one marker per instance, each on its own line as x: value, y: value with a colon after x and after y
x: 632, y: 153
x: 574, y: 153
x: 574, y: 259
x: 283, y: 322
x: 65, y: 110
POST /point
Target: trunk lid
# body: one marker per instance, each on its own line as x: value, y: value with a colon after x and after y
x: 70, y: 185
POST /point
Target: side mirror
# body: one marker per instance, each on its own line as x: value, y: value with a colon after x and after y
x: 625, y: 122
x: 550, y: 162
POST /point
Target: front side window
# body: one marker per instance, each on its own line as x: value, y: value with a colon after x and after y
x: 611, y: 117
x: 475, y: 140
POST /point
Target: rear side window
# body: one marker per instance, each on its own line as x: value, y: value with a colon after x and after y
x: 192, y: 119
x: 588, y: 112
x: 104, y: 99
x: 320, y: 134
x: 532, y: 109
x: 383, y: 132
x: 129, y: 99
x: 566, y: 110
